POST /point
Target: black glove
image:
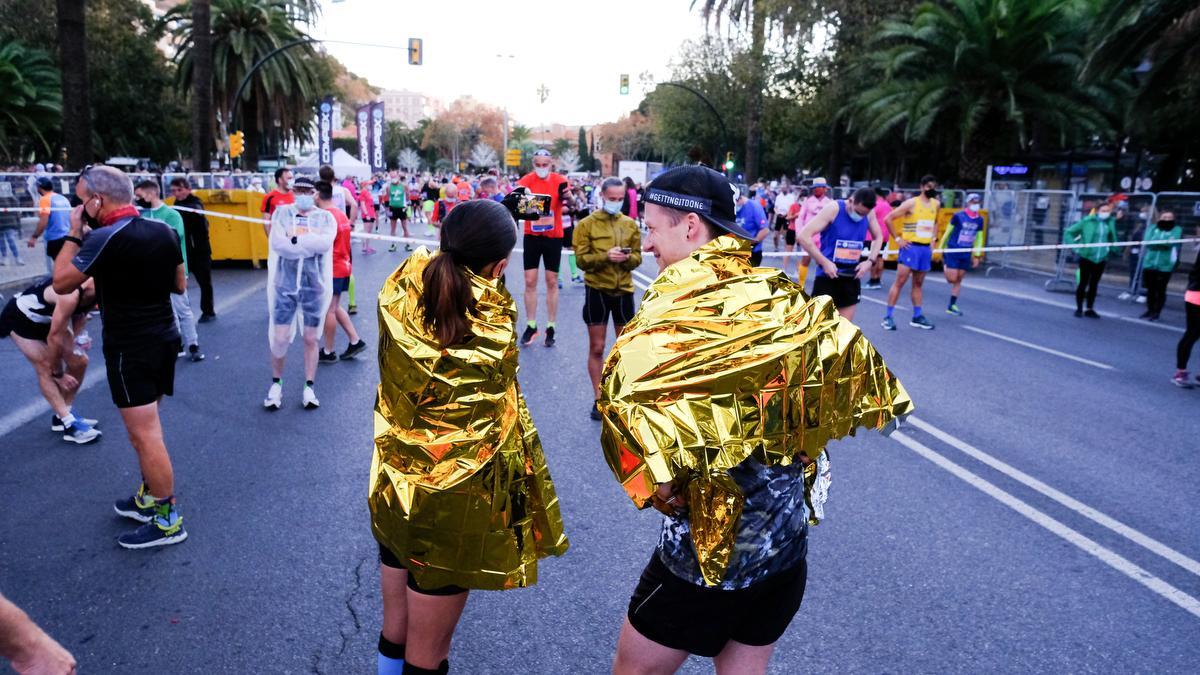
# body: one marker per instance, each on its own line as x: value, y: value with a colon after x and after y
x: 512, y: 202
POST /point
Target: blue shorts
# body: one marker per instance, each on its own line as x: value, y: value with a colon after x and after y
x: 303, y: 287
x: 957, y: 261
x: 916, y: 257
x: 341, y: 285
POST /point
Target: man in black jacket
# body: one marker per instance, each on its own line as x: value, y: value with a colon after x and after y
x: 199, y: 251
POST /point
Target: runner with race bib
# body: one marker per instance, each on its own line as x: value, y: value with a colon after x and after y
x: 918, y: 221
x: 842, y: 228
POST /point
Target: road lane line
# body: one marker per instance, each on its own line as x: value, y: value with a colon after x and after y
x: 1107, y: 556
x: 646, y: 281
x: 881, y: 302
x: 1047, y: 350
x: 38, y: 407
x: 1149, y: 543
x: 1060, y: 305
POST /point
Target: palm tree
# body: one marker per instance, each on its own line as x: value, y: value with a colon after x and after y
x: 1160, y: 37
x: 32, y: 102
x: 519, y: 135
x: 791, y: 18
x: 281, y: 95
x: 202, y: 79
x: 76, y: 86
x: 993, y: 75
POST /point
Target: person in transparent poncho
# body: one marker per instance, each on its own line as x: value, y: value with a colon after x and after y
x: 299, y: 285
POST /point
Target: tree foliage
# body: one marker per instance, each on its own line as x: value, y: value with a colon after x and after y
x: 32, y: 103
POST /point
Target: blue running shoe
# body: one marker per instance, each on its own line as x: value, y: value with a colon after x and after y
x: 56, y: 423
x: 920, y: 322
x: 164, y: 529
x: 888, y: 323
x: 139, y: 507
x: 80, y: 433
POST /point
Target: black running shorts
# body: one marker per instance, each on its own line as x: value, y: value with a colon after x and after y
x: 389, y: 559
x: 781, y: 222
x: 789, y: 237
x: 14, y: 322
x: 681, y: 615
x: 539, y: 248
x: 845, y: 291
x: 598, y: 306
x: 398, y: 212
x: 143, y: 374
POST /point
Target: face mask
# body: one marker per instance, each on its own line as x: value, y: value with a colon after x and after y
x: 305, y: 202
x: 931, y: 193
x: 972, y: 209
x: 92, y: 221
x: 1166, y: 224
x: 1104, y: 215
x: 141, y: 203
x: 613, y: 208
x: 541, y: 171
x: 854, y: 215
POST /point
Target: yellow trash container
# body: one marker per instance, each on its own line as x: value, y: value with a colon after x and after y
x: 235, y: 239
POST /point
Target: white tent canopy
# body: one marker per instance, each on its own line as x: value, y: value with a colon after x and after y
x: 344, y: 164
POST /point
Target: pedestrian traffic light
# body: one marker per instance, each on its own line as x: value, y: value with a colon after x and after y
x: 512, y: 157
x: 729, y: 161
x: 414, y: 51
x: 237, y: 144
x: 624, y: 85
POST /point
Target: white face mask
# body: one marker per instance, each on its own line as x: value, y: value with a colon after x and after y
x: 854, y: 215
x: 972, y: 208
x: 541, y: 171
x: 1104, y: 215
x: 305, y: 202
x: 613, y: 208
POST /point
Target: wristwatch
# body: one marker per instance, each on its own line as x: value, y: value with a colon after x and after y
x: 75, y: 240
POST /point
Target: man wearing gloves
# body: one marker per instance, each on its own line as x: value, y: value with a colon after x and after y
x: 608, y: 246
x: 717, y: 402
x: 299, y: 284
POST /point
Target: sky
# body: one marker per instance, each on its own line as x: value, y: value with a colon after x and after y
x: 502, y: 52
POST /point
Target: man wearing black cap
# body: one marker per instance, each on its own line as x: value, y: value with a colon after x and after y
x: 53, y: 219
x: 717, y: 401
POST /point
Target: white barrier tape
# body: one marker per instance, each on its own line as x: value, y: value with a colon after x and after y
x: 771, y: 254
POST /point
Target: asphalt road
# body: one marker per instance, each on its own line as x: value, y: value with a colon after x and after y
x: 1038, y: 514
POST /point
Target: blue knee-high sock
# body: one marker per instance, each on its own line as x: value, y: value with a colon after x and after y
x: 890, y: 309
x: 391, y: 657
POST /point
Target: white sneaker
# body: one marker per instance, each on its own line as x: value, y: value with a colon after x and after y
x: 310, y: 399
x: 274, y: 397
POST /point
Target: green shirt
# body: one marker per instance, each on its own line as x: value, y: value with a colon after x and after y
x: 1161, y: 257
x: 397, y: 195
x: 1092, y: 230
x: 171, y: 217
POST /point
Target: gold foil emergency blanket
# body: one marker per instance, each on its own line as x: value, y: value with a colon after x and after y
x: 724, y: 362
x: 460, y: 492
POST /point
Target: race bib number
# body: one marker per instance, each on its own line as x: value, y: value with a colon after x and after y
x: 966, y: 238
x: 925, y: 229
x: 544, y: 225
x: 300, y: 228
x: 847, y: 252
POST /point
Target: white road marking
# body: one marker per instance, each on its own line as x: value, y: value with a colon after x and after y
x: 38, y: 407
x: 882, y: 302
x: 646, y: 281
x: 1047, y: 350
x: 1149, y: 543
x: 1060, y: 305
x: 1107, y: 556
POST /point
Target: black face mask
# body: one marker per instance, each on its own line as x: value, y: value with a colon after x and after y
x: 141, y: 203
x: 90, y: 220
x: 931, y: 193
x: 1166, y: 224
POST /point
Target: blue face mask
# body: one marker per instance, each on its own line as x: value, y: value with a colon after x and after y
x: 613, y: 208
x: 854, y: 215
x: 305, y: 202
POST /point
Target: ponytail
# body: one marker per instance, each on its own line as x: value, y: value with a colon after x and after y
x: 475, y: 233
x: 447, y: 300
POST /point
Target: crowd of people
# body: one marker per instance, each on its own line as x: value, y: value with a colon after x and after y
x: 448, y: 393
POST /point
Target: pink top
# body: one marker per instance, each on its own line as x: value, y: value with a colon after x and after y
x: 1192, y: 297
x: 366, y: 204
x: 882, y: 209
x: 633, y: 204
x: 809, y: 209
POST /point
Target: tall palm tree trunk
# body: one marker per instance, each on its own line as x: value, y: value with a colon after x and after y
x: 202, y: 91
x: 754, y: 104
x: 77, y: 109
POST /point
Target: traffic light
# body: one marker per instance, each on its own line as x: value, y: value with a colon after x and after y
x: 512, y: 157
x: 237, y: 144
x: 729, y: 161
x: 624, y: 85
x: 414, y: 51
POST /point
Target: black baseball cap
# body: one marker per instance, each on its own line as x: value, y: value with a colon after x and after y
x: 304, y: 182
x: 698, y: 190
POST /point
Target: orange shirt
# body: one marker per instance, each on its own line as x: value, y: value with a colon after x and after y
x: 548, y: 226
